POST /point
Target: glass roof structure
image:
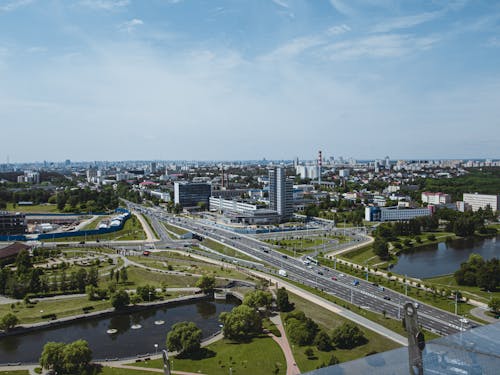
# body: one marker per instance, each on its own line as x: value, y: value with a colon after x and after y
x: 472, y: 352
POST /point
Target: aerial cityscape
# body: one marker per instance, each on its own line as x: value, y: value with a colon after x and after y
x: 254, y: 187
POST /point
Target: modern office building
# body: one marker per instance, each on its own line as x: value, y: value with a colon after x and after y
x: 477, y: 201
x: 395, y: 213
x: 12, y: 223
x: 239, y: 211
x: 280, y: 193
x: 435, y: 198
x: 190, y: 194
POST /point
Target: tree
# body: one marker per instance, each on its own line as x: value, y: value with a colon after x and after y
x: 93, y: 276
x: 282, y: 300
x: 241, y: 323
x: 301, y: 329
x: 120, y: 299
x: 146, y: 292
x: 333, y: 361
x: 52, y: 356
x: 73, y: 358
x: 348, y: 336
x: 494, y: 305
x: 184, y: 337
x: 206, y: 283
x: 124, y: 275
x: 8, y: 322
x: 23, y: 262
x: 323, y: 342
x: 76, y: 357
x: 381, y: 249
x: 258, y: 298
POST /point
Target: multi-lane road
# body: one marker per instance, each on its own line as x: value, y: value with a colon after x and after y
x: 365, y: 294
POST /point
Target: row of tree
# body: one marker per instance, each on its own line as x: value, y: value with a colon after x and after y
x: 478, y: 272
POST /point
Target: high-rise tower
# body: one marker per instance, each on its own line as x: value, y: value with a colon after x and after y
x: 280, y: 193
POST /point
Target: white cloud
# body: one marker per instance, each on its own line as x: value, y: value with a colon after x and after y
x: 337, y: 30
x: 295, y: 47
x: 406, y: 22
x: 379, y: 46
x: 341, y: 7
x: 13, y: 5
x: 281, y: 3
x: 105, y: 4
x: 130, y: 26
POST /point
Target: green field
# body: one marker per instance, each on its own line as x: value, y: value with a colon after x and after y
x: 121, y: 371
x: 190, y: 266
x: 140, y: 276
x: 94, y: 223
x: 223, y: 249
x: 473, y: 292
x: 175, y: 230
x: 364, y: 255
x: 61, y: 307
x: 260, y: 356
x: 148, y: 220
x: 40, y: 208
x: 328, y: 321
x: 15, y: 372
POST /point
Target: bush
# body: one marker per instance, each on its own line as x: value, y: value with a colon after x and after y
x: 348, y: 336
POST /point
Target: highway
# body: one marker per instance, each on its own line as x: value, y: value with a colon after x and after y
x: 365, y: 294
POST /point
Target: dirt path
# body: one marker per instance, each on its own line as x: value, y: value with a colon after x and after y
x: 150, y: 237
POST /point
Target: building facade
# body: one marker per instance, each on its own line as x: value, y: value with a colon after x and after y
x: 435, y: 198
x: 12, y: 223
x: 477, y: 201
x: 190, y: 194
x: 395, y: 213
x: 280, y: 193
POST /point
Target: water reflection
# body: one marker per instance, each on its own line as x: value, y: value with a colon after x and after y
x: 126, y: 342
x: 444, y: 258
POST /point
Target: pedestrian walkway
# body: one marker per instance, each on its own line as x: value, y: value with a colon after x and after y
x: 291, y: 365
x: 156, y: 370
x: 480, y: 312
x: 150, y: 237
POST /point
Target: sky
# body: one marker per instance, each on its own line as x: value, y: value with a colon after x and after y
x: 235, y: 79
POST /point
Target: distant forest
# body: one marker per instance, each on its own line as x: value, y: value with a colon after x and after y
x: 485, y: 181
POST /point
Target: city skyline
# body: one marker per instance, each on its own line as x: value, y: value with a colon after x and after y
x: 219, y: 80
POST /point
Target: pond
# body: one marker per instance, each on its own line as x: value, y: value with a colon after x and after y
x: 444, y: 258
x: 129, y: 340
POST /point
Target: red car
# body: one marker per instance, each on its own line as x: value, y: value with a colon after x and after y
x: 146, y: 253
x: 334, y: 278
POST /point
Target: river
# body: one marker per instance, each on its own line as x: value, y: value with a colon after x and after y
x: 444, y: 258
x: 127, y: 341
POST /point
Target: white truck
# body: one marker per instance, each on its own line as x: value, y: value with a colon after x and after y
x: 282, y: 273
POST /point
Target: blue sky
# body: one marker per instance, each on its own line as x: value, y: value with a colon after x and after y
x: 234, y: 79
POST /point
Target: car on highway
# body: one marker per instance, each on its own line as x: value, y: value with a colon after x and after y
x: 355, y: 282
x: 334, y: 278
x: 387, y: 298
x: 320, y: 272
x: 341, y: 275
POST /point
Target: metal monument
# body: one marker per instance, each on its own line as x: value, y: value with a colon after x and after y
x: 166, y: 363
x: 416, y: 340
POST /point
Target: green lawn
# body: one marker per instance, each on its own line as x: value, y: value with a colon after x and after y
x: 175, y: 230
x: 223, y: 249
x: 258, y: 357
x: 148, y: 220
x: 61, y: 307
x: 122, y: 371
x: 190, y: 266
x: 363, y: 255
x: 40, y: 208
x: 17, y: 372
x: 140, y: 276
x: 473, y: 292
x: 328, y: 321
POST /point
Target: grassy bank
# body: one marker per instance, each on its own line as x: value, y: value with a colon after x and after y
x: 328, y: 321
x: 148, y: 220
x: 175, y: 230
x: 260, y: 356
x: 474, y: 292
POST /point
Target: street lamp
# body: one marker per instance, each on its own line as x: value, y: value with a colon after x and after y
x: 156, y: 349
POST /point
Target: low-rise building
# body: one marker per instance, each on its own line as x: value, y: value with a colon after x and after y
x: 435, y: 198
x: 12, y: 223
x: 395, y: 213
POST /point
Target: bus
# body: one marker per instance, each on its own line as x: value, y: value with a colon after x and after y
x: 312, y: 260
